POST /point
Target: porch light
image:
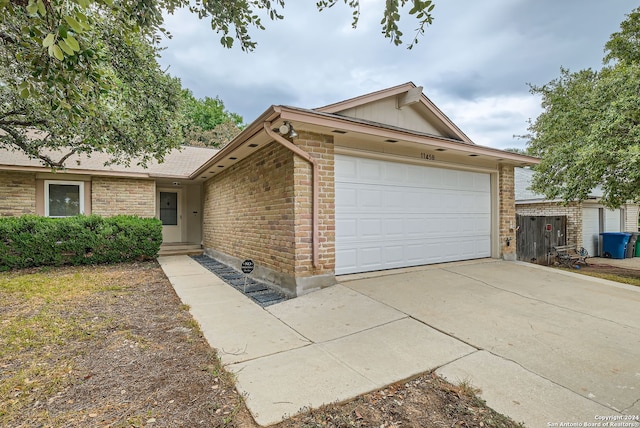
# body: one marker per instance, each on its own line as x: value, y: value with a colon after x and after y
x: 287, y: 129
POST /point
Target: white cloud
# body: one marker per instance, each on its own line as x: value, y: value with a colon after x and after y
x: 494, y: 121
x: 474, y: 62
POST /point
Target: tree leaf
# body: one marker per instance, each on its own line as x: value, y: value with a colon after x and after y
x: 41, y: 8
x: 73, y: 24
x: 32, y: 8
x: 48, y: 41
x: 73, y: 43
x: 57, y: 52
x: 65, y: 47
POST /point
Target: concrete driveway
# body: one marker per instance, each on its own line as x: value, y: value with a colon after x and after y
x: 552, y: 347
x: 546, y: 347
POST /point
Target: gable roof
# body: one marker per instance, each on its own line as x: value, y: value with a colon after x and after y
x: 403, y: 97
x: 179, y: 163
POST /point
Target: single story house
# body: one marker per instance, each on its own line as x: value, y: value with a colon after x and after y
x: 380, y: 181
x: 585, y: 219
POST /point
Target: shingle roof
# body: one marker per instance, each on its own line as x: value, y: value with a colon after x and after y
x: 178, y: 163
x: 523, y: 178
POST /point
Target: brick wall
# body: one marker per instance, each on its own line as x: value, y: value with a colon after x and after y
x: 507, y: 207
x: 573, y: 211
x: 112, y: 196
x: 17, y: 193
x: 249, y: 210
x: 321, y: 148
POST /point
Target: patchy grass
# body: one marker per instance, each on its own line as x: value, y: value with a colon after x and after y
x: 611, y: 273
x: 625, y: 279
x: 106, y: 346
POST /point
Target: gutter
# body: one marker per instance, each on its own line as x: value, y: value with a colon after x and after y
x: 315, y: 186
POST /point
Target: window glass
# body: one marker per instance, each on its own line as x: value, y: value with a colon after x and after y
x: 64, y: 200
x: 169, y: 208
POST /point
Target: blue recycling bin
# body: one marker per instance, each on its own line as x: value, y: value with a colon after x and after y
x: 614, y: 244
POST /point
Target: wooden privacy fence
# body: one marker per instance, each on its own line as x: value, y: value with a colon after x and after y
x: 536, y: 235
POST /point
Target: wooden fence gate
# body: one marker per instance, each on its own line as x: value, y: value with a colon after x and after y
x: 536, y: 235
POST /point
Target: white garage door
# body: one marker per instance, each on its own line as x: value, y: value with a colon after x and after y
x: 391, y: 215
x: 612, y: 222
x: 590, y: 230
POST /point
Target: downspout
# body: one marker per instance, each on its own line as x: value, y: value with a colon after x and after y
x: 315, y: 187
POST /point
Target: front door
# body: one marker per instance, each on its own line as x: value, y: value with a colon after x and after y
x: 170, y: 214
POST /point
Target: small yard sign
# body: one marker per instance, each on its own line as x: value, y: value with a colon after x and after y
x: 247, y: 266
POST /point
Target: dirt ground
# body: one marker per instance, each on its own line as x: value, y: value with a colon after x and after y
x: 126, y: 353
x: 608, y: 269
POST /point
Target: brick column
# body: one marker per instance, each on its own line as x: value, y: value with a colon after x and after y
x: 507, y: 212
x: 321, y: 148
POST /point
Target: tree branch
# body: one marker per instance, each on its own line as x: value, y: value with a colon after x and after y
x: 22, y: 122
x: 6, y: 37
x: 20, y: 143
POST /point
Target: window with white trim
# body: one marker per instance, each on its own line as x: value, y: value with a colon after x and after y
x: 63, y: 198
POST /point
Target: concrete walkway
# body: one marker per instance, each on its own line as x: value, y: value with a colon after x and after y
x: 375, y: 329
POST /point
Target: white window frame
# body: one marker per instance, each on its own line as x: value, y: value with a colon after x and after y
x: 80, y: 185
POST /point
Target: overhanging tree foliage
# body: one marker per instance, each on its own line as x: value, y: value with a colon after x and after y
x: 110, y: 95
x: 207, y: 121
x: 83, y: 74
x: 589, y: 132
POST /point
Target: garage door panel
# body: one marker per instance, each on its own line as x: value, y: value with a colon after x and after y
x: 371, y: 227
x: 370, y: 256
x: 411, y: 227
x: 394, y: 254
x: 407, y: 215
x: 347, y: 198
x: 348, y: 228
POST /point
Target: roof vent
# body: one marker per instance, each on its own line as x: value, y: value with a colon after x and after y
x: 388, y: 140
x: 441, y: 150
x: 253, y: 145
x: 338, y: 131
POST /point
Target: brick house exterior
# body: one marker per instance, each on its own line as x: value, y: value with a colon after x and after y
x: 585, y: 219
x: 259, y: 191
x: 17, y: 193
x: 375, y: 182
x: 107, y: 190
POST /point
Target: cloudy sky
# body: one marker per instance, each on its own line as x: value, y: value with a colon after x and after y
x: 474, y: 62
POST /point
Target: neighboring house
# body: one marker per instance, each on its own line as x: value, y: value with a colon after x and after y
x: 87, y: 186
x: 585, y: 219
x: 376, y: 182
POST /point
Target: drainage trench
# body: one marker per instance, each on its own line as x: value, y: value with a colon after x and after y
x: 258, y: 291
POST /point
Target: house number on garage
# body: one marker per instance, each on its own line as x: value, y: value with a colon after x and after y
x: 427, y: 156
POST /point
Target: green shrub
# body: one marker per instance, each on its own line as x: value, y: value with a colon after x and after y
x: 31, y: 240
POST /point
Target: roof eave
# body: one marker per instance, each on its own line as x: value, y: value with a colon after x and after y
x: 348, y: 124
x: 250, y: 131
